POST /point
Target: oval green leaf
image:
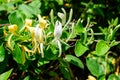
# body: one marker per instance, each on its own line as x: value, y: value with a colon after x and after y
x: 94, y: 67
x: 101, y: 48
x: 80, y: 49
x: 74, y: 60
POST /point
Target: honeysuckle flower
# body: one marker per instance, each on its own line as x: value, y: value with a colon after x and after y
x: 13, y: 28
x: 39, y: 38
x: 42, y: 22
x: 28, y: 22
x: 38, y: 33
x: 57, y: 35
x: 58, y: 30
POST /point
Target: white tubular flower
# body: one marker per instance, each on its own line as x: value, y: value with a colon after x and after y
x: 39, y: 38
x: 58, y: 30
x: 38, y: 34
x: 57, y: 35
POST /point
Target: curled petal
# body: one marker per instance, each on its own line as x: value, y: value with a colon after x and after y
x: 41, y: 49
x: 58, y: 30
x: 9, y: 42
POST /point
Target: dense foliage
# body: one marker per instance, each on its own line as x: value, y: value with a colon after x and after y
x: 59, y: 40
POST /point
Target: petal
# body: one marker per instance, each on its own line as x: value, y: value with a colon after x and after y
x: 41, y: 49
x: 13, y: 28
x: 38, y: 34
x: 58, y: 30
x: 28, y: 22
x: 60, y: 48
x: 42, y: 22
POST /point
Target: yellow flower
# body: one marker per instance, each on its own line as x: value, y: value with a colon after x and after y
x: 13, y: 28
x: 28, y: 22
x: 42, y: 22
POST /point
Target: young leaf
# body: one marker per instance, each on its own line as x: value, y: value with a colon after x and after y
x: 2, y: 53
x: 5, y: 75
x: 115, y: 21
x: 79, y: 27
x: 101, y: 48
x: 74, y: 60
x: 18, y: 55
x: 80, y: 49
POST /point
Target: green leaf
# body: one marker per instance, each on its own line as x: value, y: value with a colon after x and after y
x: 113, y: 43
x: 74, y: 60
x: 113, y: 77
x: 101, y: 77
x: 80, y: 49
x: 42, y: 61
x: 36, y: 4
x: 2, y: 53
x: 5, y: 75
x: 79, y: 27
x: 94, y: 67
x: 60, y: 2
x: 101, y: 48
x: 65, y: 72
x: 18, y: 55
x: 27, y: 78
x: 16, y: 18
x: 27, y: 10
x: 2, y: 8
x: 116, y: 21
x: 53, y: 74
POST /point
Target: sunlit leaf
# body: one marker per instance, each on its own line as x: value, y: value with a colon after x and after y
x: 101, y: 48
x: 5, y: 75
x: 116, y: 21
x: 79, y: 28
x: 80, y: 49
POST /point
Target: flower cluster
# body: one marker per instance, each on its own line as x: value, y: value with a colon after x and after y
x: 37, y: 34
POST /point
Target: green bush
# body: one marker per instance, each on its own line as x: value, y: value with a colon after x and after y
x: 59, y: 39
